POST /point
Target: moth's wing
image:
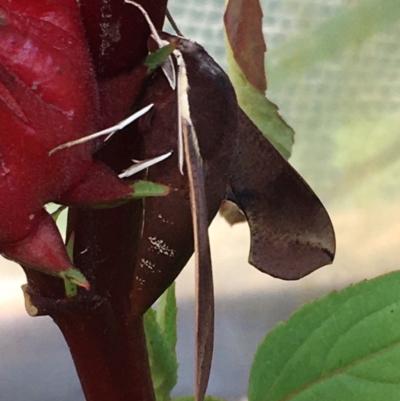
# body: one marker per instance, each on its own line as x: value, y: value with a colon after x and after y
x: 204, y: 279
x: 291, y: 232
x: 167, y: 237
x: 199, y: 210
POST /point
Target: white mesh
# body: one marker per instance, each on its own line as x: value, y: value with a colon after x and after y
x: 364, y: 81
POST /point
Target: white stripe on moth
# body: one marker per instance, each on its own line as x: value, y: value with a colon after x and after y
x: 141, y: 165
x: 108, y: 131
x: 179, y: 62
x: 183, y: 108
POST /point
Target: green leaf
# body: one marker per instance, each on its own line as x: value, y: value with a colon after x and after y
x: 156, y: 59
x: 163, y: 363
x: 56, y: 214
x: 71, y: 289
x: 261, y: 111
x: 144, y: 189
x: 72, y: 278
x: 191, y: 398
x: 345, y: 346
x: 141, y: 189
x: 166, y: 315
x: 164, y: 329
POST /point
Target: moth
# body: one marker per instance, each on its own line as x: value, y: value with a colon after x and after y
x: 225, y: 157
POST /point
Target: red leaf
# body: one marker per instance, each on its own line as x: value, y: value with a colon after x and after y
x: 243, y: 24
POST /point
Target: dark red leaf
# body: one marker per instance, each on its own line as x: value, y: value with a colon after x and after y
x: 243, y: 26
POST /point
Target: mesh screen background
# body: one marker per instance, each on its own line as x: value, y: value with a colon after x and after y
x: 322, y: 104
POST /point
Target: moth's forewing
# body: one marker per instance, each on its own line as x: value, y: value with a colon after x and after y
x: 167, y: 235
x: 291, y: 232
x: 204, y: 279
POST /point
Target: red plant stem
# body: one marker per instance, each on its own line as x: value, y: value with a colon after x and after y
x: 113, y: 364
x: 107, y: 343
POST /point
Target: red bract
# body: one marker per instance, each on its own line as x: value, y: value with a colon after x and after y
x: 48, y: 96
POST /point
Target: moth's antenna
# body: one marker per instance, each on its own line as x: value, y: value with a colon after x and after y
x: 168, y: 66
x: 153, y: 29
x: 173, y: 23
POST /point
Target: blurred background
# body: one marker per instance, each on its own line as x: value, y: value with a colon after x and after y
x: 332, y: 68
